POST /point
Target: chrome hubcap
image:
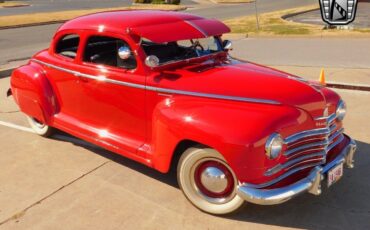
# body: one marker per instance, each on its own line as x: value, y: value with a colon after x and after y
x: 214, y: 179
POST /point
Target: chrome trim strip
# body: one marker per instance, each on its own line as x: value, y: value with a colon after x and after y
x: 291, y: 163
x: 335, y: 135
x: 307, y: 133
x: 347, y: 152
x: 161, y: 90
x: 214, y: 96
x: 289, y: 173
x: 330, y: 147
x: 323, y: 143
x: 331, y: 118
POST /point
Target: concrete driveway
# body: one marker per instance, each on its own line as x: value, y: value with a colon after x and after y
x: 65, y: 183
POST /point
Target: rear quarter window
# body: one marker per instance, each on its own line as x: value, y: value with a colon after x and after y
x: 67, y: 46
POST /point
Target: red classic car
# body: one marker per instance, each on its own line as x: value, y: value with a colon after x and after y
x: 161, y: 89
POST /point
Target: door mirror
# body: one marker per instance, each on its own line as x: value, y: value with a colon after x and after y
x: 124, y: 52
x: 152, y: 61
x: 227, y: 44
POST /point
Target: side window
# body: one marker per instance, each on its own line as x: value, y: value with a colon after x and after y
x: 67, y: 46
x: 108, y: 51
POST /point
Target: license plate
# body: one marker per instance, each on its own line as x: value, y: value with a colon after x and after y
x: 335, y: 174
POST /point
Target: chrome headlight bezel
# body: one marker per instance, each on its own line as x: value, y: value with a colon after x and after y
x: 274, y: 146
x: 341, y: 110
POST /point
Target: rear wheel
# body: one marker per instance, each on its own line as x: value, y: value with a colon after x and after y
x: 208, y: 182
x: 39, y: 127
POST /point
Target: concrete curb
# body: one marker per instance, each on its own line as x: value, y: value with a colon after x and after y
x: 241, y: 2
x: 32, y: 24
x: 339, y: 85
x: 298, y: 13
x: 6, y: 72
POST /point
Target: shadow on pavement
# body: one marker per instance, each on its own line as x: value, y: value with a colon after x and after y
x: 169, y: 178
x: 344, y: 205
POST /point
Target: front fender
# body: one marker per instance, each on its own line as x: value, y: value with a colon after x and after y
x: 33, y: 93
x: 237, y: 130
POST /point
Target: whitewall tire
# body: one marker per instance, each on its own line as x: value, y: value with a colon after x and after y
x: 40, y: 128
x: 208, y: 182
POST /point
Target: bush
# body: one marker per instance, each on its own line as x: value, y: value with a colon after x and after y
x: 175, y: 2
x: 142, y: 1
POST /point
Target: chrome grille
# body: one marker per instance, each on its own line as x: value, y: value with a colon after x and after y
x: 310, y: 147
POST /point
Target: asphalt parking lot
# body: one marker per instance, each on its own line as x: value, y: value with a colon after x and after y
x: 65, y: 183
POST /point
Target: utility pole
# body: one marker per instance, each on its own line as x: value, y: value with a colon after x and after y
x: 257, y: 19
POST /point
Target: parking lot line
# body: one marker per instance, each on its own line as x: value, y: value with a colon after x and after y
x: 14, y: 126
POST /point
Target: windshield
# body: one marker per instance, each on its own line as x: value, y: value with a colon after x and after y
x: 181, y: 50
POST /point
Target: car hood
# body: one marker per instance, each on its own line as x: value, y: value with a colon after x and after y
x: 246, y: 80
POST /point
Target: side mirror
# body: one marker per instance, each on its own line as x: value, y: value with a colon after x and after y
x: 152, y: 61
x: 124, y: 52
x: 227, y: 44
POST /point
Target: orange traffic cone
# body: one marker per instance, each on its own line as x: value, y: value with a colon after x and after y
x: 322, y: 77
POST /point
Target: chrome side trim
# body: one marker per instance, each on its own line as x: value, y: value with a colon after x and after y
x: 214, y: 96
x: 158, y: 89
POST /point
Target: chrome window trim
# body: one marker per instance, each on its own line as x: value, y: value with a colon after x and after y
x: 160, y: 90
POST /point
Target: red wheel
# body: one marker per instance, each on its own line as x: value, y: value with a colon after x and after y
x: 214, y: 179
x: 208, y: 181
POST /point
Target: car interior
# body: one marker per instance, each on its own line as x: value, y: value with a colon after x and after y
x: 179, y: 50
x: 104, y: 50
x: 68, y: 45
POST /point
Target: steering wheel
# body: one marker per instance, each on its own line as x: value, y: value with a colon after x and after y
x: 195, y: 47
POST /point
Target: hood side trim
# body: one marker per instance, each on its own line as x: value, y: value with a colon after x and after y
x: 159, y: 89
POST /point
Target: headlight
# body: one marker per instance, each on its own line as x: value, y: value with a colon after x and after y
x: 341, y: 110
x: 274, y: 146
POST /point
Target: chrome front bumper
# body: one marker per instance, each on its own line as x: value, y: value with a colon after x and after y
x: 311, y: 184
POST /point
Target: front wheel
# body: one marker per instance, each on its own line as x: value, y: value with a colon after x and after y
x: 208, y: 182
x: 40, y: 128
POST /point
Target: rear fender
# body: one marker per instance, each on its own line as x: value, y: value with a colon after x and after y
x: 33, y: 93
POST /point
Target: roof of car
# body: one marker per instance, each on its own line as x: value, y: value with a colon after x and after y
x: 157, y: 26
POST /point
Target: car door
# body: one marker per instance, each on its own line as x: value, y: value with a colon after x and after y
x: 60, y: 67
x: 113, y: 93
